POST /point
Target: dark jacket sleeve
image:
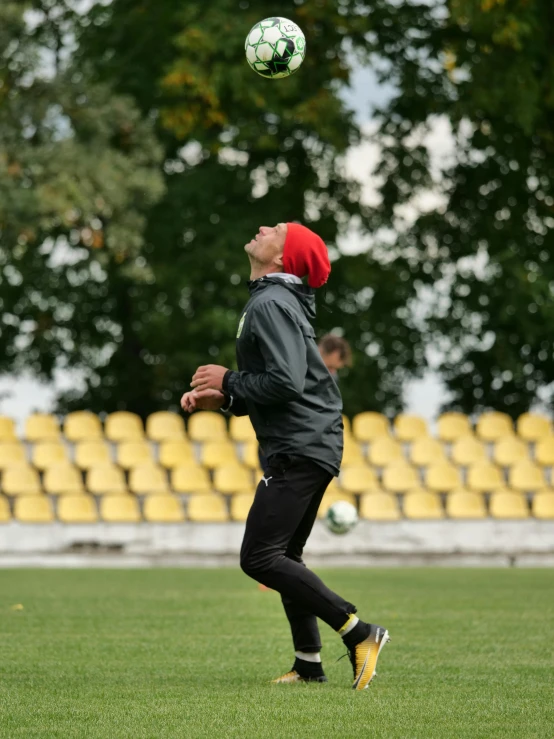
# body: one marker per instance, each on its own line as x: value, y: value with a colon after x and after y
x: 283, y: 348
x: 238, y: 407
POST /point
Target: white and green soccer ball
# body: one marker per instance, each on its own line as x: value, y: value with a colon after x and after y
x: 341, y: 517
x: 275, y: 48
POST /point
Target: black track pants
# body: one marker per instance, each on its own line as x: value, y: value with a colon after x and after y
x: 278, y: 525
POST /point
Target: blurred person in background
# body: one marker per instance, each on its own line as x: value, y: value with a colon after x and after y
x: 335, y: 352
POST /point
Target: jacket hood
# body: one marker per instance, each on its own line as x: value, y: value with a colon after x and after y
x: 304, y: 294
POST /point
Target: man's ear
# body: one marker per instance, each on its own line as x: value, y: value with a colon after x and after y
x: 278, y: 260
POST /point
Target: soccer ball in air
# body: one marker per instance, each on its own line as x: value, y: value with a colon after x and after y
x: 341, y: 517
x: 275, y: 48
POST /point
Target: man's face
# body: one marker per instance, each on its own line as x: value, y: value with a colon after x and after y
x: 267, y: 246
x: 333, y: 361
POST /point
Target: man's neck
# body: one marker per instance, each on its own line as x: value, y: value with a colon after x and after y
x: 261, y: 271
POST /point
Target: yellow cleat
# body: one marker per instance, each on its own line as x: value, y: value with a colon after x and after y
x: 294, y: 677
x: 365, y: 654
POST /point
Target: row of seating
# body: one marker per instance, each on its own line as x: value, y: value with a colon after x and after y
x: 379, y: 506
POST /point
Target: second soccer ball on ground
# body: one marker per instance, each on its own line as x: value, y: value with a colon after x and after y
x: 275, y: 48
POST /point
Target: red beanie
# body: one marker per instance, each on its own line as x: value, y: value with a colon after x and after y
x: 304, y: 254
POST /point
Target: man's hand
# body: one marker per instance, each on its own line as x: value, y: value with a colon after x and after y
x: 205, y: 400
x: 209, y: 376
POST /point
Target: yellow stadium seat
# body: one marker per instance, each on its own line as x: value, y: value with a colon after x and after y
x: 508, y: 505
x: 384, y: 451
x: 240, y: 506
x: 370, y: 426
x: 399, y: 477
x: 82, y: 426
x: 133, y: 453
x: 451, y: 426
x: 206, y: 426
x: 543, y: 505
x: 33, y: 509
x: 176, y: 452
x: 329, y: 498
x: 12, y: 454
x: 123, y: 426
x: 48, y: 453
x: 465, y: 504
x: 5, y: 514
x: 358, y: 479
x: 526, y: 476
x: 106, y: 479
x: 426, y: 451
x: 241, y: 429
x: 421, y: 504
x: 7, y: 430
x: 544, y: 452
x: 92, y: 454
x: 409, y: 428
x: 120, y: 509
x: 467, y: 450
x: 232, y: 478
x: 442, y: 477
x: 163, y: 509
x: 532, y: 427
x: 484, y: 477
x: 190, y: 479
x: 62, y: 479
x: 208, y: 509
x: 379, y: 506
x: 218, y: 453
x: 165, y: 426
x: 42, y: 427
x: 148, y: 479
x: 77, y: 509
x: 510, y: 450
x: 493, y: 426
x: 352, y: 453
x: 249, y: 455
x: 20, y: 480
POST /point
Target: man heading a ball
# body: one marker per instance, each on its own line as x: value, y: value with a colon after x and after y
x: 296, y: 410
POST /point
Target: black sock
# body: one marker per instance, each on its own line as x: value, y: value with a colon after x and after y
x: 308, y: 669
x: 356, y: 635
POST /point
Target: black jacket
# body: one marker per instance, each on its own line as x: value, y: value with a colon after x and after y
x: 283, y: 385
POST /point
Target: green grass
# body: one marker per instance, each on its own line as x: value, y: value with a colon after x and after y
x: 189, y: 653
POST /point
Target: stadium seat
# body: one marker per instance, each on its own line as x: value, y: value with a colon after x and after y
x: 240, y: 506
x: 370, y: 426
x: 190, y: 479
x: 123, y: 426
x: 442, y: 477
x: 82, y: 426
x: 91, y: 454
x: 77, y: 509
x: 163, y: 509
x: 120, y: 509
x: 133, y: 453
x: 165, y: 426
x: 330, y: 498
x: 384, y: 451
x: 218, y: 453
x: 379, y: 506
x: 7, y: 430
x: 106, y: 479
x: 508, y: 505
x: 532, y: 427
x: 526, y: 477
x: 20, y: 480
x: 358, y: 479
x: 148, y: 479
x: 175, y: 452
x: 465, y: 504
x: 33, y: 509
x: 48, y: 453
x: 62, y: 479
x: 249, y: 455
x: 42, y: 427
x: 543, y: 505
x: 241, y: 429
x: 426, y: 451
x: 484, y: 477
x: 509, y: 451
x: 5, y: 514
x: 351, y: 453
x: 207, y: 509
x: 544, y: 452
x: 399, y: 477
x: 12, y: 454
x: 421, y: 504
x: 233, y: 478
x: 468, y: 450
x: 493, y: 426
x: 451, y: 426
x: 409, y: 428
x: 205, y: 426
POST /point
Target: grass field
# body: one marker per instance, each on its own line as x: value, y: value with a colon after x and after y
x: 189, y: 653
